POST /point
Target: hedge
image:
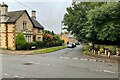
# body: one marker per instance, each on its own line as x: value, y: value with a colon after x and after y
x: 39, y: 45
x: 30, y: 46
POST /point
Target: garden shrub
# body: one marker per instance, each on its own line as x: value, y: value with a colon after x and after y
x: 101, y: 50
x: 20, y: 41
x: 97, y: 47
x: 113, y: 51
x: 29, y: 45
x: 41, y: 44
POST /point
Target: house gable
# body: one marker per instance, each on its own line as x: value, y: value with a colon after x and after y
x: 24, y: 18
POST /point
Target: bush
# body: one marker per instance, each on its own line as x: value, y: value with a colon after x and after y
x: 20, y: 41
x: 97, y: 47
x: 52, y: 44
x: 113, y: 51
x: 101, y: 50
x: 41, y: 44
x: 29, y: 45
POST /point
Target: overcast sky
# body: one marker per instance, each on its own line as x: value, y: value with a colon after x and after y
x: 49, y: 12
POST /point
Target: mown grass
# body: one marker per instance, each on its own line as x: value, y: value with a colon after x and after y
x: 48, y: 50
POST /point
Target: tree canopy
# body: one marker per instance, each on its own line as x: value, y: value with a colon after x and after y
x: 96, y: 22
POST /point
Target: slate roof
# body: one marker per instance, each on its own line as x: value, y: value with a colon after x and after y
x: 13, y: 16
x: 37, y: 24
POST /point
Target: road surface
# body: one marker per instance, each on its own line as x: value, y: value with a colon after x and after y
x: 66, y: 63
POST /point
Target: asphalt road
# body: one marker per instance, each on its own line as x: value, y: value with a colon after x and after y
x: 66, y: 63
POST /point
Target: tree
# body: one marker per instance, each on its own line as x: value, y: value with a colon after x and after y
x: 20, y: 40
x: 105, y: 20
x: 52, y: 33
x: 94, y: 21
x: 76, y: 18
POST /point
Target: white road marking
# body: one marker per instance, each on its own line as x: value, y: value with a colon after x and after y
x: 61, y: 57
x: 84, y: 59
x: 15, y: 76
x: 6, y: 74
x: 81, y: 59
x: 66, y: 58
x: 75, y: 58
x: 96, y: 70
x: 107, y: 71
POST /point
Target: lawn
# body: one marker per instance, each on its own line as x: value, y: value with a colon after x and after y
x: 48, y: 50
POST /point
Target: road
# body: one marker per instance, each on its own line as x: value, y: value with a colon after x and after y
x: 66, y: 63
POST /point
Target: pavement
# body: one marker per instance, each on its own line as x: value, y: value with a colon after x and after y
x: 65, y: 63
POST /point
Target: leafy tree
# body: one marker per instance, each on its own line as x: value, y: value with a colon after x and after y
x: 52, y: 33
x: 47, y: 31
x: 20, y: 40
x: 94, y: 21
x: 76, y: 18
x: 105, y: 20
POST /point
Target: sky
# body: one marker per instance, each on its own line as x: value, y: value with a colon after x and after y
x: 49, y: 13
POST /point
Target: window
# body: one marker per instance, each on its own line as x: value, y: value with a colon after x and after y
x: 28, y: 38
x: 24, y: 25
x: 39, y: 38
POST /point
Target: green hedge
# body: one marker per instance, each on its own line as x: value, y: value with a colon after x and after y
x: 30, y: 46
x: 39, y: 45
x: 52, y: 44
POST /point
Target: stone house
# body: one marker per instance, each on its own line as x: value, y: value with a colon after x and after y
x: 68, y: 38
x: 18, y: 21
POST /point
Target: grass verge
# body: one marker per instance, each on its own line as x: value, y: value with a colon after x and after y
x: 48, y: 50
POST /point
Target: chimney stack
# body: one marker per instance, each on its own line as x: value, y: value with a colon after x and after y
x: 4, y: 12
x: 34, y: 14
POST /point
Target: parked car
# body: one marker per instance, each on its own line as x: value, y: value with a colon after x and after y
x: 77, y: 43
x: 74, y: 44
x: 71, y: 45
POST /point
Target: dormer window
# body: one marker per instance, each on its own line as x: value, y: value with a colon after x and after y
x: 24, y: 25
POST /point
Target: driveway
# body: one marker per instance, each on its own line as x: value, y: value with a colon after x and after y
x: 66, y: 63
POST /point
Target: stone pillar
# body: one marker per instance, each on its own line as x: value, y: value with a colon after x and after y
x: 94, y: 51
x: 109, y: 54
x: 98, y: 52
x: 105, y: 52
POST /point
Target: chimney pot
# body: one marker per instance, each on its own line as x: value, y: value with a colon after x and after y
x: 34, y: 14
x: 4, y: 12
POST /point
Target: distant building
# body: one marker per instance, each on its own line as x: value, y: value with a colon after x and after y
x: 18, y: 21
x: 68, y: 38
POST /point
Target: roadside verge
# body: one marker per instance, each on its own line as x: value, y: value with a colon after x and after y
x: 112, y: 58
x: 31, y: 52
